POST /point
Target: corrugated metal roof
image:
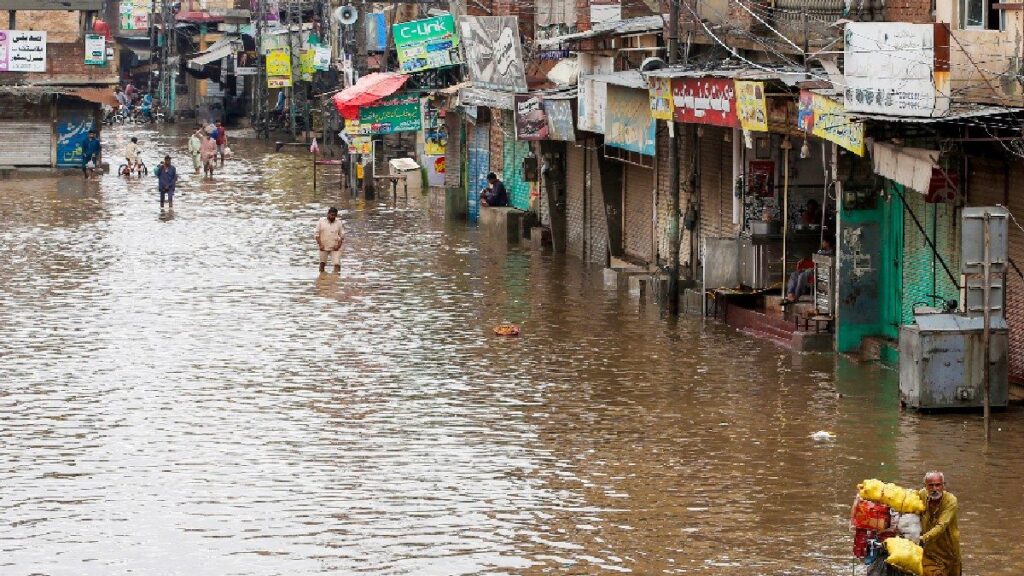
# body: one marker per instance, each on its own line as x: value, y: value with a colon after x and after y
x: 615, y: 27
x: 627, y: 78
x: 218, y: 50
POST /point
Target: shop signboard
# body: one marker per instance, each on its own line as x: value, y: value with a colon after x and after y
x: 95, y: 50
x: 705, y: 101
x: 896, y: 68
x: 827, y: 119
x: 435, y: 166
x: 321, y: 58
x: 72, y: 132
x: 397, y: 113
x: 531, y: 118
x: 279, y: 68
x: 486, y: 98
x: 134, y: 14
x: 271, y: 8
x: 426, y: 44
x: 751, y: 108
x: 660, y: 92
x: 494, y: 55
x: 307, y: 65
x: 560, y: 118
x: 246, y: 63
x: 629, y: 125
x: 435, y: 130
x: 22, y: 51
x: 592, y: 95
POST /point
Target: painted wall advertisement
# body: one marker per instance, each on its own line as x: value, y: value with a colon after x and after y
x: 95, y: 50
x: 660, y: 92
x: 425, y: 44
x: 435, y: 130
x: 629, y: 125
x: 134, y: 14
x: 494, y: 55
x: 560, y: 125
x: 751, y: 108
x: 22, y: 51
x: 435, y: 166
x: 892, y: 68
x: 827, y: 119
x: 279, y: 68
x: 397, y: 113
x: 705, y: 101
x: 593, y: 94
x: 531, y: 118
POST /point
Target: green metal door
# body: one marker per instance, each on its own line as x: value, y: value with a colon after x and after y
x: 930, y: 256
x: 891, y: 268
x: 512, y: 167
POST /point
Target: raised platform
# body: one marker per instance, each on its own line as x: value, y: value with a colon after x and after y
x: 504, y: 222
x: 780, y: 330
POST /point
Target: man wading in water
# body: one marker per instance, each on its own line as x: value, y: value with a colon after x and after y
x: 330, y: 234
x: 940, y: 530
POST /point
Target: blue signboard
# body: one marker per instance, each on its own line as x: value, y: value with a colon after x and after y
x: 72, y: 132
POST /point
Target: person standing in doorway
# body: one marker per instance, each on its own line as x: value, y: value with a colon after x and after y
x: 208, y: 154
x: 195, y: 145
x: 167, y: 177
x: 330, y: 235
x: 91, y: 151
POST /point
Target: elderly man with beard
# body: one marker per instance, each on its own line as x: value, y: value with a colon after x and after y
x: 940, y: 532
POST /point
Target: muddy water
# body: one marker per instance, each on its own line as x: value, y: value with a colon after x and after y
x: 183, y: 393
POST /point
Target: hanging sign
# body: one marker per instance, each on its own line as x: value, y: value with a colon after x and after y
x: 246, y: 63
x: 629, y: 125
x: 22, y: 51
x: 95, y: 50
x: 705, y: 101
x: 827, y: 119
x: 751, y: 108
x: 279, y: 68
x: 435, y: 129
x: 425, y: 44
x: 531, y: 118
x: 397, y: 113
x: 659, y: 90
x: 322, y: 58
x: 307, y: 65
x: 559, y: 116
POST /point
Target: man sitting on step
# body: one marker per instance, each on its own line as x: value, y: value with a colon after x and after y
x: 800, y: 281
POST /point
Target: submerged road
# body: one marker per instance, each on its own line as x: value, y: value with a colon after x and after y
x: 181, y: 393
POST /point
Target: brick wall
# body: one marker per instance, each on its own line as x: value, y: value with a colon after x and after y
x: 582, y: 15
x: 64, y: 60
x: 497, y: 143
x: 913, y: 11
x: 60, y: 26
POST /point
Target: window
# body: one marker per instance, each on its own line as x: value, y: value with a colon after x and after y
x: 979, y: 15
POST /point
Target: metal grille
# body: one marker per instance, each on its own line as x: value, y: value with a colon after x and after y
x: 518, y: 190
x: 715, y: 184
x: 925, y: 281
x: 597, y: 241
x: 639, y: 207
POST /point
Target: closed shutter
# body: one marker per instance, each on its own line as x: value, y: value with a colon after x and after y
x: 26, y: 143
x: 716, y: 184
x: 476, y: 172
x: 1014, y: 283
x: 453, y: 153
x: 514, y: 153
x: 639, y: 207
x: 597, y: 241
x: 574, y: 210
x: 923, y: 273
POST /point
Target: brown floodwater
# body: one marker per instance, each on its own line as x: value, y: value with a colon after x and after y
x: 181, y: 393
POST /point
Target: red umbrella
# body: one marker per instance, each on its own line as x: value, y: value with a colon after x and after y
x: 366, y: 91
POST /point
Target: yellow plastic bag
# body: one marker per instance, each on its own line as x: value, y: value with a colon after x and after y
x: 902, y: 500
x: 905, y: 555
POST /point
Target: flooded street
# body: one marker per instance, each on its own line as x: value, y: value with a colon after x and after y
x: 184, y: 394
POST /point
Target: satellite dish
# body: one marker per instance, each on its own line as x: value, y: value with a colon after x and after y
x: 346, y: 15
x: 651, y: 64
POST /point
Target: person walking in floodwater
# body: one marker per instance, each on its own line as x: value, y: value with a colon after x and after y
x: 91, y: 151
x: 208, y: 154
x: 330, y: 235
x: 195, y: 145
x: 167, y: 177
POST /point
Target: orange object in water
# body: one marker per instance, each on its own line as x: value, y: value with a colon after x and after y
x: 506, y: 330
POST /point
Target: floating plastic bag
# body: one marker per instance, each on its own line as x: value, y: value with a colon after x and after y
x: 905, y: 555
x: 909, y: 526
x: 900, y: 499
x: 869, y: 515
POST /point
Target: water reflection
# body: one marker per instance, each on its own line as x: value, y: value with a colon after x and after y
x: 185, y: 394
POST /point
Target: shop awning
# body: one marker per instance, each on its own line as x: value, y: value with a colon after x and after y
x: 366, y: 91
x: 787, y: 75
x: 911, y: 167
x: 626, y: 78
x: 218, y: 50
x: 98, y: 95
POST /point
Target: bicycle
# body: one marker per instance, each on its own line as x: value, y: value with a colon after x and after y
x: 138, y: 169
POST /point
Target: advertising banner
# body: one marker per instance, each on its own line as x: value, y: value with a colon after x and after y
x: 629, y: 125
x: 279, y: 68
x: 95, y: 50
x: 435, y: 130
x: 307, y: 65
x: 827, y: 119
x: 425, y: 44
x: 751, y: 108
x: 494, y: 55
x: 531, y: 118
x: 397, y: 113
x: 246, y: 63
x: 705, y: 101
x: 660, y: 92
x: 22, y: 51
x: 560, y: 120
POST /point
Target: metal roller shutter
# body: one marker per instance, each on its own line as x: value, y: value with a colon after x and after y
x: 715, y: 184
x: 1014, y: 283
x: 575, y: 220
x: 28, y: 143
x: 638, y: 232
x: 597, y: 240
x: 476, y: 172
x: 923, y: 274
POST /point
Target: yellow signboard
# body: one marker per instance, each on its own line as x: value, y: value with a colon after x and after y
x: 750, y: 106
x: 279, y: 63
x: 659, y: 90
x: 830, y: 122
x: 307, y: 64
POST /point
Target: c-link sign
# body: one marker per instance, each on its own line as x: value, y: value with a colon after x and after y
x: 426, y: 44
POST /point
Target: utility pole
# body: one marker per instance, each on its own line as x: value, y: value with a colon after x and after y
x: 673, y: 172
x: 259, y: 89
